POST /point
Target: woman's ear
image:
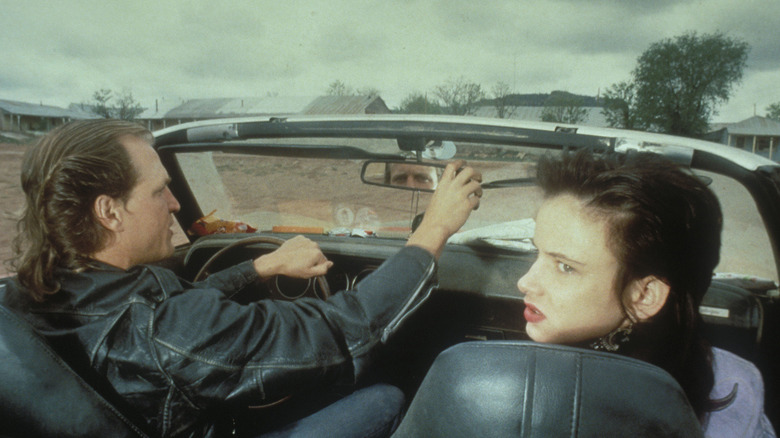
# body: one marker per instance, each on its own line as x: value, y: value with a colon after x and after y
x: 108, y: 213
x: 648, y: 296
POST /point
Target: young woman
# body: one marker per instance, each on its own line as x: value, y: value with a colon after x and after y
x: 627, y: 247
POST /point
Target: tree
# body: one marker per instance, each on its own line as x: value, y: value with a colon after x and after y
x: 620, y: 106
x: 367, y: 91
x: 339, y: 88
x: 773, y: 111
x: 100, y: 103
x: 459, y: 97
x: 562, y: 107
x: 501, y: 96
x: 418, y: 103
x: 679, y: 82
x: 126, y: 107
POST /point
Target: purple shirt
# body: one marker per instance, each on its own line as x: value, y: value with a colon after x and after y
x: 745, y: 416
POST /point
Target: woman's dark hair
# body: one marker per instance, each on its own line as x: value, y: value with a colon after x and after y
x: 663, y: 221
x: 62, y: 175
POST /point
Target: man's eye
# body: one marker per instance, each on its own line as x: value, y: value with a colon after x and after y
x: 563, y: 267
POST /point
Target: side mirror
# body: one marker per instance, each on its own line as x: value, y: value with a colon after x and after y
x: 404, y: 175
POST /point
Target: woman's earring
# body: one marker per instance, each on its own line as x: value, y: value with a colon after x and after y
x: 611, y: 341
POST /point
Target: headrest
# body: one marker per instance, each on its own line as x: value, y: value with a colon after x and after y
x: 524, y: 389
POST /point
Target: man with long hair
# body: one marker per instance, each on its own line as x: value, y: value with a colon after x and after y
x: 98, y: 215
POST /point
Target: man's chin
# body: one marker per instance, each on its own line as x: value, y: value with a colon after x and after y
x: 161, y: 255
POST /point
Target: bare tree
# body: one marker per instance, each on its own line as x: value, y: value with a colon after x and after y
x: 459, y: 97
x: 100, y: 103
x: 339, y: 88
x: 563, y: 107
x: 367, y: 91
x: 126, y: 107
x: 501, y: 96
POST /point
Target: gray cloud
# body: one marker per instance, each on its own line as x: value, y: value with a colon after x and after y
x: 60, y: 52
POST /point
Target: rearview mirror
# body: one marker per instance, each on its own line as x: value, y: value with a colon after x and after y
x: 404, y: 175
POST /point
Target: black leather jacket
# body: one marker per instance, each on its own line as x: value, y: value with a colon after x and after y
x: 182, y: 353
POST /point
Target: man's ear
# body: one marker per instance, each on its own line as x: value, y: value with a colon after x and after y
x: 108, y: 213
x: 648, y: 296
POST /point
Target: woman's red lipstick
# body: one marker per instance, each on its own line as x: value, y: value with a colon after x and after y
x: 532, y: 314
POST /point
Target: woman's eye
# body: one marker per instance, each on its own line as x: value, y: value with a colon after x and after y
x: 563, y: 267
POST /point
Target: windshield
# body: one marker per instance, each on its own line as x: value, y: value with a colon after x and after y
x: 276, y: 191
x: 326, y: 195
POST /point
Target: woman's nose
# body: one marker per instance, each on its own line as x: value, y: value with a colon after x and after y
x: 527, y: 283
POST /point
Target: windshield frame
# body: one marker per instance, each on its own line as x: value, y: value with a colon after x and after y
x: 760, y: 178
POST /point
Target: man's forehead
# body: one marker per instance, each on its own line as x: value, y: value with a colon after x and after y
x: 144, y: 158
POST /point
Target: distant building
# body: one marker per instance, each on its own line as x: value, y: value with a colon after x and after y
x: 220, y: 108
x: 347, y: 105
x: 154, y: 118
x: 756, y: 134
x: 162, y: 115
x: 30, y: 117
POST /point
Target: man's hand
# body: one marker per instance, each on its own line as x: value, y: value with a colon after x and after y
x: 298, y: 257
x: 456, y: 196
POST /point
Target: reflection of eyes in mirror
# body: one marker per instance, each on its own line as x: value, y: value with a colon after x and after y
x: 411, y: 175
x: 407, y: 175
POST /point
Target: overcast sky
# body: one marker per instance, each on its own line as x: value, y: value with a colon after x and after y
x: 57, y: 52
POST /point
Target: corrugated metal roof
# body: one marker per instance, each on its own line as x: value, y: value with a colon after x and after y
x: 159, y: 109
x: 198, y: 109
x: 238, y: 107
x: 534, y: 113
x: 347, y: 105
x: 31, y: 109
x: 755, y: 125
x: 278, y: 105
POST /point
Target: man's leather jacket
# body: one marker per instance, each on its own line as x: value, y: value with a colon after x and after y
x: 183, y: 354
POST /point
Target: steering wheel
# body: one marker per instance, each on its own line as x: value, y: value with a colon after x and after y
x: 322, y: 282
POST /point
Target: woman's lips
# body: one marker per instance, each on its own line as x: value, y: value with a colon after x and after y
x: 532, y: 314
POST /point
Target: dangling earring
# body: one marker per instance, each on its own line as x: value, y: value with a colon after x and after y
x: 611, y: 341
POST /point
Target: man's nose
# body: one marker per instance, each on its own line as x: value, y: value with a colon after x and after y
x: 173, y: 203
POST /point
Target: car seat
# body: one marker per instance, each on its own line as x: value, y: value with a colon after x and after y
x: 524, y: 389
x: 42, y: 396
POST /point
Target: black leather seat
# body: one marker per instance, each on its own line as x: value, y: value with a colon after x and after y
x: 522, y: 389
x: 41, y: 396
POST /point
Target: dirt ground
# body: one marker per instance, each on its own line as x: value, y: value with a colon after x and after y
x: 746, y: 247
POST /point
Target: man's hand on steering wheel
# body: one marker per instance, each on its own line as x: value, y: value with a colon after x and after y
x: 298, y: 257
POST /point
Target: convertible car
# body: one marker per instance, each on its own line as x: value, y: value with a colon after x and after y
x: 358, y: 186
